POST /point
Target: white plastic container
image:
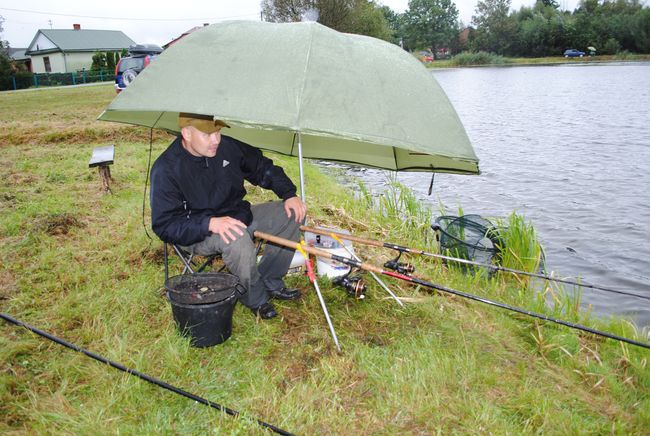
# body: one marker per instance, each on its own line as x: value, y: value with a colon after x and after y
x: 298, y: 260
x: 328, y: 267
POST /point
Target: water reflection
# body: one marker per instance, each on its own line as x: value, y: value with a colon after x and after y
x: 569, y: 148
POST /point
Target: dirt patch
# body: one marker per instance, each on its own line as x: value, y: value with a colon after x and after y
x: 8, y: 285
x: 153, y: 256
x: 58, y: 224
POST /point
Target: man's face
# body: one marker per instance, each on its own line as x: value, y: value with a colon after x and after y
x: 198, y: 143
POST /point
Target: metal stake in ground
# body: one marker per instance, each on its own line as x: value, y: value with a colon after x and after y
x: 312, y: 278
x: 378, y: 270
x: 374, y: 276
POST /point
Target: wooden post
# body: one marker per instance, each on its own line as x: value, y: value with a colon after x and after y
x: 101, y: 158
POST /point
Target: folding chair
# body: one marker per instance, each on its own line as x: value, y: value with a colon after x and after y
x: 190, y: 264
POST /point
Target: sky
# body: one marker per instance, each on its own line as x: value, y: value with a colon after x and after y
x: 147, y: 22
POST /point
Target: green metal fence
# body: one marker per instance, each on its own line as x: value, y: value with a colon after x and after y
x: 29, y: 80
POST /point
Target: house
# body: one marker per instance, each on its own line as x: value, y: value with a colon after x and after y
x: 69, y: 50
x: 183, y: 35
x: 18, y: 56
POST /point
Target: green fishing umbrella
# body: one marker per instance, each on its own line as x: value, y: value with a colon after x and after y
x: 304, y: 90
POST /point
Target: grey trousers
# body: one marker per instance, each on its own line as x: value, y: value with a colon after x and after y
x: 240, y: 256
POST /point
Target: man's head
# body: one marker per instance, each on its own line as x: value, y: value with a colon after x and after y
x: 201, y: 133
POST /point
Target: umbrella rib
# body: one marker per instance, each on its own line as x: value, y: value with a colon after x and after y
x: 304, y: 80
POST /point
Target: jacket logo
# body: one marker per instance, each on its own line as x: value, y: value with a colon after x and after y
x: 225, y: 163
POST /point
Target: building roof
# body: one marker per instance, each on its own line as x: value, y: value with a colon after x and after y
x: 17, y: 54
x: 184, y: 34
x: 82, y: 40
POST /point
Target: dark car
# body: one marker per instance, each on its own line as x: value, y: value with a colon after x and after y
x: 127, y: 69
x: 573, y: 53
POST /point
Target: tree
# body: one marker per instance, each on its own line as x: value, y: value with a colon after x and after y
x: 351, y: 16
x: 5, y: 61
x: 430, y: 24
x: 110, y: 60
x: 285, y: 11
x: 495, y: 28
x: 368, y: 19
x: 99, y: 61
x: 395, y: 23
x: 552, y: 3
x: 641, y: 30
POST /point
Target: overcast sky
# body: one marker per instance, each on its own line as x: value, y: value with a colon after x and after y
x: 155, y: 22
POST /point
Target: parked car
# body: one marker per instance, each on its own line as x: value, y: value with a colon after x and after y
x: 573, y: 53
x: 128, y: 68
x: 425, y: 56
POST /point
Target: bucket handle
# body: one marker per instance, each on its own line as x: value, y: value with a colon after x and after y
x: 241, y: 290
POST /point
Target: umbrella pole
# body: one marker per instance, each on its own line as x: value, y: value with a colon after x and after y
x: 302, y: 171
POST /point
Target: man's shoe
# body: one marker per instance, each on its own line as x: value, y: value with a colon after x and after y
x: 265, y: 311
x: 285, y: 294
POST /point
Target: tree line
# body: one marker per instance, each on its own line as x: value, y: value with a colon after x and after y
x: 611, y: 26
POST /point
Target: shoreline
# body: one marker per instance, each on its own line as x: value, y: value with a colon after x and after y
x: 533, y: 62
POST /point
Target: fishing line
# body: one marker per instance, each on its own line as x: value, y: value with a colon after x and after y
x: 146, y: 182
x: 402, y: 249
x: 133, y: 372
x: 356, y: 264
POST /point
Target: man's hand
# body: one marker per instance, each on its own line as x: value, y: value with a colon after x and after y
x: 295, y: 206
x: 226, y: 227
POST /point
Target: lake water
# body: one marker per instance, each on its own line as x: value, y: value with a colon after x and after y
x: 567, y: 147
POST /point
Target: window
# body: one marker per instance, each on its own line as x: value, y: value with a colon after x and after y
x: 46, y: 61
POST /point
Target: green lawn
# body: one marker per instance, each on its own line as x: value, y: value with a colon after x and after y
x: 77, y: 262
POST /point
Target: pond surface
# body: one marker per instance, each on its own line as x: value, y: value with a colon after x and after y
x: 568, y: 147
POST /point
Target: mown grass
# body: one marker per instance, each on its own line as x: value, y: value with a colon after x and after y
x: 77, y: 263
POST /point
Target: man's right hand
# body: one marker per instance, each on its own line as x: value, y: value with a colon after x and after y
x: 226, y: 227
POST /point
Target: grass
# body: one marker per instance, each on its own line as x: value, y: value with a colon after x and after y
x: 76, y: 262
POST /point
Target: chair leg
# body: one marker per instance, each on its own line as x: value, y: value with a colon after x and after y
x: 166, y: 257
x: 187, y: 262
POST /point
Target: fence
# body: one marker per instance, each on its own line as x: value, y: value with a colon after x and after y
x: 29, y: 80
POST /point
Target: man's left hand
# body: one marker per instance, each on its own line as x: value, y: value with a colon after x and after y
x: 296, y: 207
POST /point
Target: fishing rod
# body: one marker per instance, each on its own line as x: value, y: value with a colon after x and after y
x: 139, y: 374
x: 368, y: 267
x: 408, y: 268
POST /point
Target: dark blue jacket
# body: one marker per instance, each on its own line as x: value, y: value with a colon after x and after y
x: 186, y: 191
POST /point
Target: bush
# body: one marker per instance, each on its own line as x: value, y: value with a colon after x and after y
x: 20, y: 80
x: 477, y: 58
x: 612, y: 46
x: 624, y: 55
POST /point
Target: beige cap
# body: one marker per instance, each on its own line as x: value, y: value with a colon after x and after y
x: 204, y: 123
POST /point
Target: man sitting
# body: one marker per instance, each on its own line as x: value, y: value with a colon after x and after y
x: 197, y: 202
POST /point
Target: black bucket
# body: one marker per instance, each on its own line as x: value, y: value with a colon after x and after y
x: 202, y: 305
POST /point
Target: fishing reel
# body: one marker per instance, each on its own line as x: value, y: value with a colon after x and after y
x: 355, y: 286
x: 405, y: 268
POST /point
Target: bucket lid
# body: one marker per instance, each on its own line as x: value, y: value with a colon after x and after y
x: 201, y: 288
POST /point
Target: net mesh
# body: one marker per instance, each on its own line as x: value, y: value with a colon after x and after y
x: 470, y: 237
